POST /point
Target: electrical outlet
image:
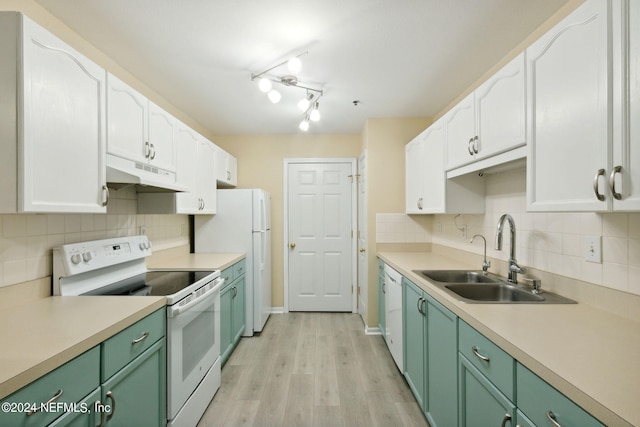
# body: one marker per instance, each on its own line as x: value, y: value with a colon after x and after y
x: 593, y: 249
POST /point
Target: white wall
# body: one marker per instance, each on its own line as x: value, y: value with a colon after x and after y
x: 26, y: 240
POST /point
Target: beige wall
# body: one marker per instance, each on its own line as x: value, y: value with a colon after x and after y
x: 384, y: 141
x: 260, y: 165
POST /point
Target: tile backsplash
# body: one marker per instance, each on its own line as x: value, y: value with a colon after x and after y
x: 402, y: 228
x: 27, y: 240
x: 552, y: 242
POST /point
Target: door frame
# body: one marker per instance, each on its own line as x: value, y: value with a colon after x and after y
x: 354, y: 222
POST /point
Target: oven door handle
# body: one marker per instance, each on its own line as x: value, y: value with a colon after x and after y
x: 176, y: 309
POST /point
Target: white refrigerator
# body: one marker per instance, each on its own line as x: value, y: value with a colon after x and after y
x: 242, y: 223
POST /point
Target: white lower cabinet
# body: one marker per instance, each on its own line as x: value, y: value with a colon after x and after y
x: 52, y: 127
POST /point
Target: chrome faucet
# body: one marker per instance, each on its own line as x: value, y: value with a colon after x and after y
x: 485, y: 264
x: 514, y: 268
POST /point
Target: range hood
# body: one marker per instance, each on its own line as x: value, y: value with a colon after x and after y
x: 122, y: 173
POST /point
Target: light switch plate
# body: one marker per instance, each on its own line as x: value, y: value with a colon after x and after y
x: 593, y: 249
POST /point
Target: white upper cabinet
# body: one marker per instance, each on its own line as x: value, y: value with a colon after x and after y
x: 625, y: 183
x: 226, y: 168
x: 428, y: 190
x: 196, y: 171
x: 570, y: 108
x: 137, y: 129
x: 52, y: 125
x: 489, y: 121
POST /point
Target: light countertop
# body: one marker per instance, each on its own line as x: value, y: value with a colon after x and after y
x: 198, y: 261
x: 41, y: 335
x: 590, y: 355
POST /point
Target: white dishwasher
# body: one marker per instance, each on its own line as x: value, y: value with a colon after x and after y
x: 393, y: 313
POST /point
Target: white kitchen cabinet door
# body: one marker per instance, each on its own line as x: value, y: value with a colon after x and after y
x: 414, y: 175
x: 128, y: 124
x: 459, y: 123
x: 501, y: 111
x: 187, y: 202
x: 626, y: 148
x: 63, y: 148
x: 435, y: 183
x: 569, y: 104
x: 162, y: 138
x: 207, y: 176
x: 226, y: 168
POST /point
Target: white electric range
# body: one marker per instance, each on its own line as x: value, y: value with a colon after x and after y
x: 117, y: 267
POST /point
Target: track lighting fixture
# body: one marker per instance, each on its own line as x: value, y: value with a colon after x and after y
x: 309, y: 104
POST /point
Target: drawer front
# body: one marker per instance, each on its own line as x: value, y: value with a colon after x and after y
x: 538, y: 400
x: 490, y: 359
x: 239, y: 269
x: 128, y: 344
x: 72, y: 381
x: 227, y: 275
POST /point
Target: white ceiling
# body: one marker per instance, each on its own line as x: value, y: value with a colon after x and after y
x: 399, y: 58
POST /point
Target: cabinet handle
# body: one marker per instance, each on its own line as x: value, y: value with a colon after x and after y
x: 475, y: 144
x: 469, y: 147
x: 139, y: 340
x: 105, y: 192
x: 507, y: 417
x: 383, y: 289
x: 96, y: 405
x: 113, y: 405
x: 612, y: 182
x: 478, y: 355
x: 595, y: 184
x: 552, y: 418
x: 228, y: 175
x: 235, y: 291
x: 420, y: 305
x: 153, y: 151
x: 53, y: 399
x: 147, y: 149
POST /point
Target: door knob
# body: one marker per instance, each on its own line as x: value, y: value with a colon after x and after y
x: 362, y: 249
x: 292, y: 245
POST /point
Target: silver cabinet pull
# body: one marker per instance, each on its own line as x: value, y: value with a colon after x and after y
x: 478, y: 355
x: 595, y: 184
x: 475, y: 144
x: 142, y: 338
x: 113, y: 405
x: 507, y: 417
x: 384, y: 291
x: 153, y: 151
x: 235, y: 291
x: 420, y: 305
x: 105, y: 193
x: 470, y: 147
x: 612, y: 182
x: 552, y: 418
x: 53, y: 399
x: 147, y: 149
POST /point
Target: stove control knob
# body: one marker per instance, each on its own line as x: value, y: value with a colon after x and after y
x: 144, y: 246
x: 86, y: 257
x: 76, y: 258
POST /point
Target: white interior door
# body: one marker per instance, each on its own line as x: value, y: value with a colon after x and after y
x: 320, y: 238
x: 362, y: 238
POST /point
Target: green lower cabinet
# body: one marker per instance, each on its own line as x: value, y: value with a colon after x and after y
x: 522, y: 420
x: 136, y: 395
x: 415, y: 340
x: 67, y: 385
x: 232, y: 309
x: 442, y: 366
x: 84, y: 414
x: 481, y: 404
x: 541, y: 403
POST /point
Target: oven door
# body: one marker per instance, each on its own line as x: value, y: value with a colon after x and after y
x: 193, y: 336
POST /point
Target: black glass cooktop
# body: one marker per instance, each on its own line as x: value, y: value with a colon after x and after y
x: 155, y: 283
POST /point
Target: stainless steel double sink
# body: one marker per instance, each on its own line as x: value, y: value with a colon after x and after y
x: 476, y: 287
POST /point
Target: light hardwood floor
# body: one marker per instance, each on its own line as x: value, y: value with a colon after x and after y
x: 313, y: 369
